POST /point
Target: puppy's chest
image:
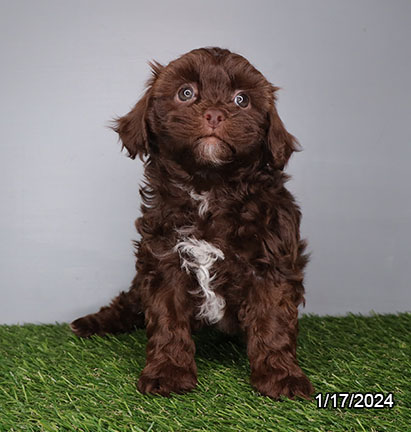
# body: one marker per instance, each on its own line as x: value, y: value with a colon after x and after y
x: 220, y: 220
x: 201, y: 243
x: 226, y: 233
x: 205, y: 216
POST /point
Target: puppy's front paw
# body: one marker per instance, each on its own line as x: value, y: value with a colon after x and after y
x: 166, y: 379
x: 86, y: 326
x: 289, y: 386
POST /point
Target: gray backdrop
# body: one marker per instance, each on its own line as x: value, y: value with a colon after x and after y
x: 69, y: 197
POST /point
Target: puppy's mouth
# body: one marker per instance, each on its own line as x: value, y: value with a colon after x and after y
x: 215, y: 140
x: 213, y: 149
x: 211, y: 139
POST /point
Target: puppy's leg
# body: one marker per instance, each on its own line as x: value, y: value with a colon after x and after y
x: 270, y: 320
x: 170, y: 365
x: 124, y: 314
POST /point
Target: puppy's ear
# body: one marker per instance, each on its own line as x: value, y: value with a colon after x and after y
x: 280, y: 143
x: 133, y: 127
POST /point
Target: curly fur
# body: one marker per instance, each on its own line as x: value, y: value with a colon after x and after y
x: 220, y: 240
x: 198, y: 256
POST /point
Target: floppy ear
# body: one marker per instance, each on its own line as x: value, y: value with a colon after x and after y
x: 280, y: 143
x: 132, y: 128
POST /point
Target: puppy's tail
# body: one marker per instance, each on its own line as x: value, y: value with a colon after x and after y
x: 123, y: 315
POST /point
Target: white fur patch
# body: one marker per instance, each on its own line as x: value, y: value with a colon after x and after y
x: 203, y: 198
x: 210, y: 150
x: 198, y: 256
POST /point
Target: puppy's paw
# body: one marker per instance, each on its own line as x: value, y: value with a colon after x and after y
x: 165, y: 380
x: 291, y: 386
x: 86, y: 326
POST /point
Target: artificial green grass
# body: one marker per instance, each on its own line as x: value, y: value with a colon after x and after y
x: 52, y: 381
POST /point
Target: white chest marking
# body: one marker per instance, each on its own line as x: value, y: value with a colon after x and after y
x: 203, y: 199
x: 197, y: 257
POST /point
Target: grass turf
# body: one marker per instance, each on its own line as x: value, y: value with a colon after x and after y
x: 52, y: 381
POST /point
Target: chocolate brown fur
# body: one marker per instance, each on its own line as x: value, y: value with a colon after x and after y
x: 213, y: 173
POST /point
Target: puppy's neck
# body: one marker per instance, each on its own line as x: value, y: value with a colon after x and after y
x: 204, y: 178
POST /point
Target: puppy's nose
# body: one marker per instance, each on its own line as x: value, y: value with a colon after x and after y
x: 214, y: 117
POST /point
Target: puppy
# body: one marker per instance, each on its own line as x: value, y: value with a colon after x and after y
x: 220, y: 242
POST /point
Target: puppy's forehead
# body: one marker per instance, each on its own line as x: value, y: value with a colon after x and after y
x: 225, y: 71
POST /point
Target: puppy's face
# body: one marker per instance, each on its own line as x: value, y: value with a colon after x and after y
x: 210, y: 107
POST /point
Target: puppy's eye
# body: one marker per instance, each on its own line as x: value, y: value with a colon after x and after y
x: 242, y: 100
x: 185, y: 93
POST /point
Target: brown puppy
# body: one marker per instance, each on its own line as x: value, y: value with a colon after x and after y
x: 220, y: 241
